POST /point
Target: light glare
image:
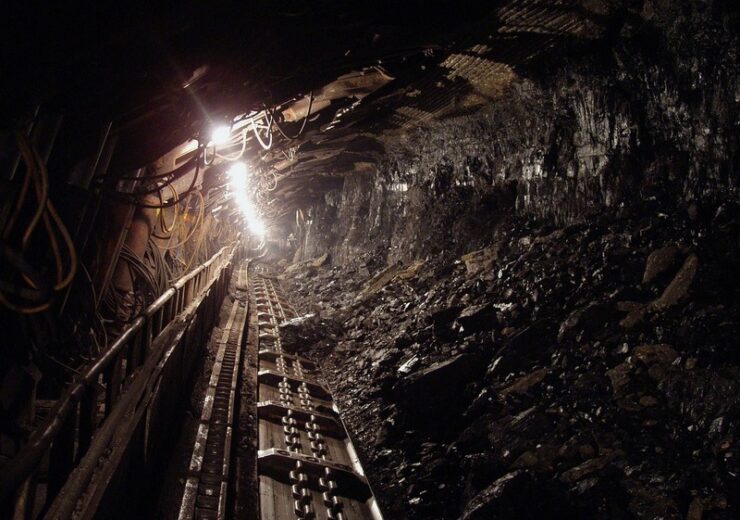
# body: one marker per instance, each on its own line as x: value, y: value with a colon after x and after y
x: 238, y: 169
x: 220, y: 134
x: 238, y: 177
x: 238, y: 180
x: 257, y: 227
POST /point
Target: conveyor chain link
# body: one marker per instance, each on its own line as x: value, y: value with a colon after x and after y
x: 307, y: 466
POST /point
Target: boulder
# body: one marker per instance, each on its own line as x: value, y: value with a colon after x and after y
x: 530, y: 345
x: 636, y: 312
x: 679, y: 286
x: 619, y: 377
x: 439, y: 387
x: 320, y: 261
x: 300, y: 332
x: 443, y: 319
x: 412, y: 270
x: 589, y: 467
x: 408, y: 365
x: 480, y: 261
x: 676, y: 291
x: 516, y: 496
x: 309, y: 266
x: 655, y: 354
x: 445, y: 315
x: 476, y: 318
x: 587, y: 319
x: 525, y: 383
x: 649, y: 503
x: 387, y: 275
x: 659, y: 261
x: 380, y: 280
x: 657, y: 358
x: 507, y: 493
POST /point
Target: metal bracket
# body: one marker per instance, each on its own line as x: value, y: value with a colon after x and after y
x: 277, y: 464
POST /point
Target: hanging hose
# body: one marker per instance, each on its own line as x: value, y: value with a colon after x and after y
x: 264, y: 145
x: 201, y: 213
x: 271, y: 186
x: 162, y: 221
x: 46, y: 213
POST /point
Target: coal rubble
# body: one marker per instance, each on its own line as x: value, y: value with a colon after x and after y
x: 591, y: 370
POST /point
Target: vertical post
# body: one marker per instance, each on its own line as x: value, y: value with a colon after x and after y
x: 113, y: 390
x: 148, y: 333
x: 134, y: 351
x: 157, y: 320
x: 23, y: 508
x: 88, y: 418
x: 169, y: 306
x: 61, y: 457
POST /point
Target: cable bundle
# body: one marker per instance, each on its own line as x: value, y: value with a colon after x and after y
x: 30, y: 293
x: 161, y: 181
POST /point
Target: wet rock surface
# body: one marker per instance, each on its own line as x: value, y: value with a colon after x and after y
x: 591, y: 370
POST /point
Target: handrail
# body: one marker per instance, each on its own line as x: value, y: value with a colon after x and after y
x: 16, y: 469
x: 25, y: 462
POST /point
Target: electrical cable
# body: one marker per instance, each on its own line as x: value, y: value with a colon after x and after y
x: 205, y: 155
x: 159, y: 186
x: 98, y: 317
x: 139, y: 270
x: 41, y: 187
x: 201, y: 213
x: 46, y: 213
x: 241, y: 152
x: 183, y: 167
x: 303, y: 126
x: 50, y: 211
x: 41, y: 291
x: 70, y: 247
x: 172, y: 202
x: 264, y: 145
x: 197, y: 247
x: 273, y: 185
x: 19, y: 204
x: 162, y: 221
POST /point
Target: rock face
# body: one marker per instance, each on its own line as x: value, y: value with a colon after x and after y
x: 536, y: 308
x: 471, y: 391
x: 647, y: 115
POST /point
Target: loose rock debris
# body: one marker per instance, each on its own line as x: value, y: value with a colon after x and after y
x: 591, y: 371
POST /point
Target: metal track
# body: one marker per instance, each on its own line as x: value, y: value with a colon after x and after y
x: 307, y: 465
x: 205, y: 495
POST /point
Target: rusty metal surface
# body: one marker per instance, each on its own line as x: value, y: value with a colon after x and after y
x: 307, y: 465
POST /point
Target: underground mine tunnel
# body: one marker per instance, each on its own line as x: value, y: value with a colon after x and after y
x: 370, y: 260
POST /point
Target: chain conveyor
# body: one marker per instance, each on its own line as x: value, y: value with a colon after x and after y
x: 307, y: 465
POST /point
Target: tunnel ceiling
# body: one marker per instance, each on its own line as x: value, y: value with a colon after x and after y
x: 369, y: 70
